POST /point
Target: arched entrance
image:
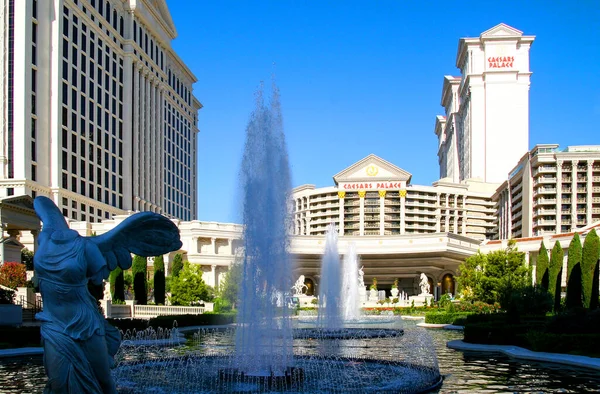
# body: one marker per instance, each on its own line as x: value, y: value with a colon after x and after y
x: 448, y: 284
x: 310, y: 287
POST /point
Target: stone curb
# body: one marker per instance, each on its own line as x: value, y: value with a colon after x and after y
x: 22, y: 351
x: 524, y: 354
x: 409, y: 317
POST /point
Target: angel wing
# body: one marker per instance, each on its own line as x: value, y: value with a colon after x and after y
x: 144, y: 234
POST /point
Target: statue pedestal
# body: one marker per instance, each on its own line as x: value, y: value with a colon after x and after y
x: 362, y: 294
x: 373, y: 296
x: 421, y: 299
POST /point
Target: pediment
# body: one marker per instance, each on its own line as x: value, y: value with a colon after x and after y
x: 502, y: 30
x: 160, y: 6
x: 23, y: 201
x: 372, y: 168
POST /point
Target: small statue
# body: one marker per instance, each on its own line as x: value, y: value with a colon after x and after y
x: 299, y: 286
x: 79, y: 344
x: 361, y: 278
x: 424, y: 284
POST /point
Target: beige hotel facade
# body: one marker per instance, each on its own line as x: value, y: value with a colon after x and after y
x: 492, y: 187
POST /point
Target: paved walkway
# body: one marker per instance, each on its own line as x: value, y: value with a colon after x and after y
x: 524, y: 354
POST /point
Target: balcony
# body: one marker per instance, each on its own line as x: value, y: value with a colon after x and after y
x: 545, y: 179
x: 547, y: 201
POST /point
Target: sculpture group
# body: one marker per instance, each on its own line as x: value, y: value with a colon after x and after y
x: 79, y: 344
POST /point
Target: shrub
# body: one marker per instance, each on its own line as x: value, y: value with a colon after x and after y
x: 314, y: 301
x: 531, y: 300
x: 574, y: 274
x: 159, y: 280
x: 555, y: 274
x: 117, y: 286
x: 500, y: 333
x: 176, y: 266
x: 444, y: 317
x: 24, y: 336
x: 586, y: 344
x: 589, y: 263
x: 7, y: 296
x: 139, y: 271
x: 27, y: 259
x: 189, y: 286
x: 444, y: 301
x: 541, y: 270
x: 13, y: 275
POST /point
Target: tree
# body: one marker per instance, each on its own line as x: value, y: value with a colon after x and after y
x: 176, y: 266
x: 139, y: 270
x: 159, y: 280
x: 589, y: 268
x: 117, y: 284
x: 230, y: 284
x: 493, y: 277
x: 189, y: 287
x: 27, y: 259
x: 13, y: 275
x: 555, y: 274
x: 574, y: 274
x: 541, y: 270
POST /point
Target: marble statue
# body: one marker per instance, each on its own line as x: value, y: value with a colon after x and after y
x: 424, y: 284
x: 79, y: 344
x: 361, y: 277
x: 299, y: 286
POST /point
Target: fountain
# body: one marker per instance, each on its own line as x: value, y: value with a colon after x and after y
x: 265, y: 357
x: 350, y: 285
x: 330, y: 289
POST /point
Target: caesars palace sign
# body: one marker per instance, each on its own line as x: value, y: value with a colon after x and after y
x: 371, y: 186
x: 500, y: 61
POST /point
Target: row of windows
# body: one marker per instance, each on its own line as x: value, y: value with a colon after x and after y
x: 148, y: 45
x: 79, y: 211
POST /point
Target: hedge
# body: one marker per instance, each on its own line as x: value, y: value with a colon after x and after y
x: 205, y: 319
x: 445, y: 317
x: 500, y: 334
x: 25, y: 336
x: 541, y: 267
x: 584, y: 344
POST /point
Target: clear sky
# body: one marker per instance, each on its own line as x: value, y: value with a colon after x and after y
x: 361, y: 77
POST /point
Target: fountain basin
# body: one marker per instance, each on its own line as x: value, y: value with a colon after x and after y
x: 204, y: 374
x: 346, y: 333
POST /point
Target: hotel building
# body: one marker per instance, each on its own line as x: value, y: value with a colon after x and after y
x: 485, y: 130
x: 550, y: 191
x: 99, y: 110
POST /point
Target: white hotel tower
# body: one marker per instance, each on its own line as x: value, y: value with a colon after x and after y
x: 98, y: 109
x: 486, y: 127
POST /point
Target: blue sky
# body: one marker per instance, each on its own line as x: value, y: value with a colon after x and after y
x: 361, y: 77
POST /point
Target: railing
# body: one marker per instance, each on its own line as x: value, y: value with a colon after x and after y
x: 119, y: 311
x: 158, y: 310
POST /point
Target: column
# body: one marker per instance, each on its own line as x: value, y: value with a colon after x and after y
x: 148, y: 138
x: 194, y: 246
x: 161, y: 148
x: 402, y: 194
x: 213, y: 242
x: 382, y: 212
x: 142, y: 134
x: 136, y: 134
x: 35, y: 234
x: 557, y: 229
x: 438, y: 215
x: 455, y: 214
x: 213, y: 270
x: 341, y: 196
x: 361, y: 226
x: 574, y: 194
x: 589, y: 189
x: 152, y: 144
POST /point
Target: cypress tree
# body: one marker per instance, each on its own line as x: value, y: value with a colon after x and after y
x: 159, y: 280
x: 541, y: 269
x: 555, y: 274
x: 574, y: 274
x: 140, y: 290
x: 589, y: 263
x: 117, y: 284
x: 177, y: 265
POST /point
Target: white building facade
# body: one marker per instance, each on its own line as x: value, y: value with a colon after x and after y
x: 485, y: 130
x: 99, y: 110
x: 550, y: 191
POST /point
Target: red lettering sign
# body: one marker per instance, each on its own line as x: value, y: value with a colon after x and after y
x: 501, y: 61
